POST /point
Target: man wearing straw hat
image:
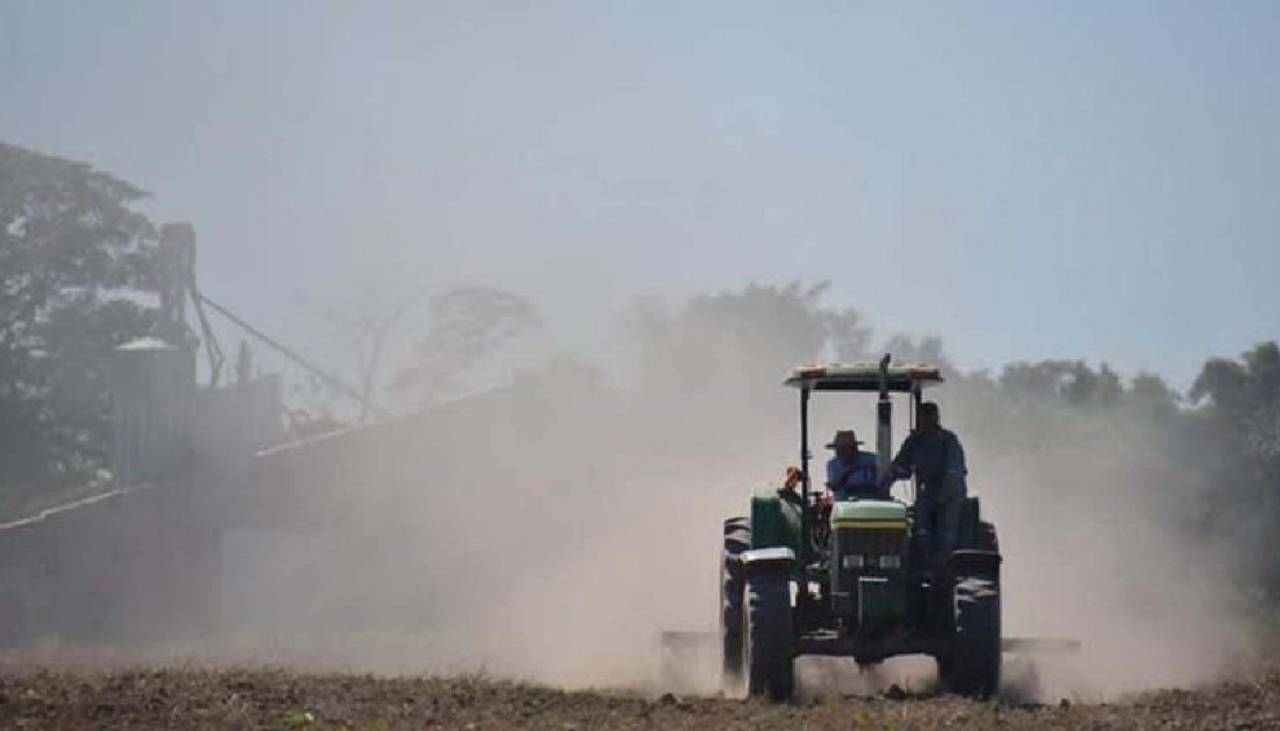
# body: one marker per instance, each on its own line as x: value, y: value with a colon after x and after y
x: 851, y: 473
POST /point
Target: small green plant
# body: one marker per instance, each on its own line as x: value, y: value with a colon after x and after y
x: 299, y: 719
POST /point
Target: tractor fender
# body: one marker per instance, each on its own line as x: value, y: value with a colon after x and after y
x: 971, y: 562
x: 777, y: 558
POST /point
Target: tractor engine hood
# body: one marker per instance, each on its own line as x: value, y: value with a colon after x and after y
x: 869, y: 514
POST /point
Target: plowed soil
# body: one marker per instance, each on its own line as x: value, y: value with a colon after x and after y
x: 198, y: 699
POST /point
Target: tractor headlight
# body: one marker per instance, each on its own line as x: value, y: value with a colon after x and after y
x: 890, y: 562
x: 853, y: 561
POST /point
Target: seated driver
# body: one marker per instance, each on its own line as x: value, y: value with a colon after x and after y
x: 851, y: 473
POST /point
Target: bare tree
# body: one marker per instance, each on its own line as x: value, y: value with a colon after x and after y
x: 469, y: 324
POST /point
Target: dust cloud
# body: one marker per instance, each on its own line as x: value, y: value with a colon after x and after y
x: 552, y: 528
x: 1093, y: 551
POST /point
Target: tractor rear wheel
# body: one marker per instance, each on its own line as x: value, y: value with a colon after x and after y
x: 768, y: 652
x: 737, y: 538
x: 972, y: 668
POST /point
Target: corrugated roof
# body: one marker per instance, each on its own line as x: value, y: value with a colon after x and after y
x: 147, y: 343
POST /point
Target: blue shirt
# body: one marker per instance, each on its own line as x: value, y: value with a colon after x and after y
x: 859, y: 478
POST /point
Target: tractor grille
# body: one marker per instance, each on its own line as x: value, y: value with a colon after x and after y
x: 872, y: 553
x: 874, y: 542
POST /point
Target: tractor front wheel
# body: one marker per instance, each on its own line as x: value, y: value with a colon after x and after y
x: 768, y: 652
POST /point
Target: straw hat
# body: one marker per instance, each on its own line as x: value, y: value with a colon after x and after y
x: 844, y: 438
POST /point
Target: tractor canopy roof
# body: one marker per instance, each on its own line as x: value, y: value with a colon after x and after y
x: 862, y: 377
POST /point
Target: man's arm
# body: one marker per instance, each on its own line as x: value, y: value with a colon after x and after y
x: 900, y: 467
x: 905, y: 461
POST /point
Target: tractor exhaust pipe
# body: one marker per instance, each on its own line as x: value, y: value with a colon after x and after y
x: 884, y: 421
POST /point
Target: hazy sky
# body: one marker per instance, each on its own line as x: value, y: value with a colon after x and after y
x: 1026, y: 179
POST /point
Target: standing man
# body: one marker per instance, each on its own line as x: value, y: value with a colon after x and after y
x: 935, y: 456
x: 851, y: 472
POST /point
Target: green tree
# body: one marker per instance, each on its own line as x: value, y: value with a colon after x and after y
x: 759, y: 331
x: 1149, y: 394
x: 1243, y: 399
x: 74, y: 262
x: 1046, y: 379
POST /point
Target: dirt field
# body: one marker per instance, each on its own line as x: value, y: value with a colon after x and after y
x: 194, y: 699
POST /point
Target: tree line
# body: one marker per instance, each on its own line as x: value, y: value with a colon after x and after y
x: 79, y: 271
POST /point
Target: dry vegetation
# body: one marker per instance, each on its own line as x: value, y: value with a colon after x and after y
x: 200, y: 699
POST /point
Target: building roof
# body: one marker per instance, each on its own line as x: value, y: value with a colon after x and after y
x: 147, y: 344
x: 862, y: 377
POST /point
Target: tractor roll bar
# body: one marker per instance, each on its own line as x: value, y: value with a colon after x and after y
x: 805, y: 528
x: 914, y: 416
x: 860, y: 377
x: 884, y: 422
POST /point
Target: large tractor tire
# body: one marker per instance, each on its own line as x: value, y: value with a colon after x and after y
x: 769, y: 653
x: 972, y: 667
x: 737, y: 538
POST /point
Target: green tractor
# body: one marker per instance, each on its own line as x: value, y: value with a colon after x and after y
x: 806, y: 575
